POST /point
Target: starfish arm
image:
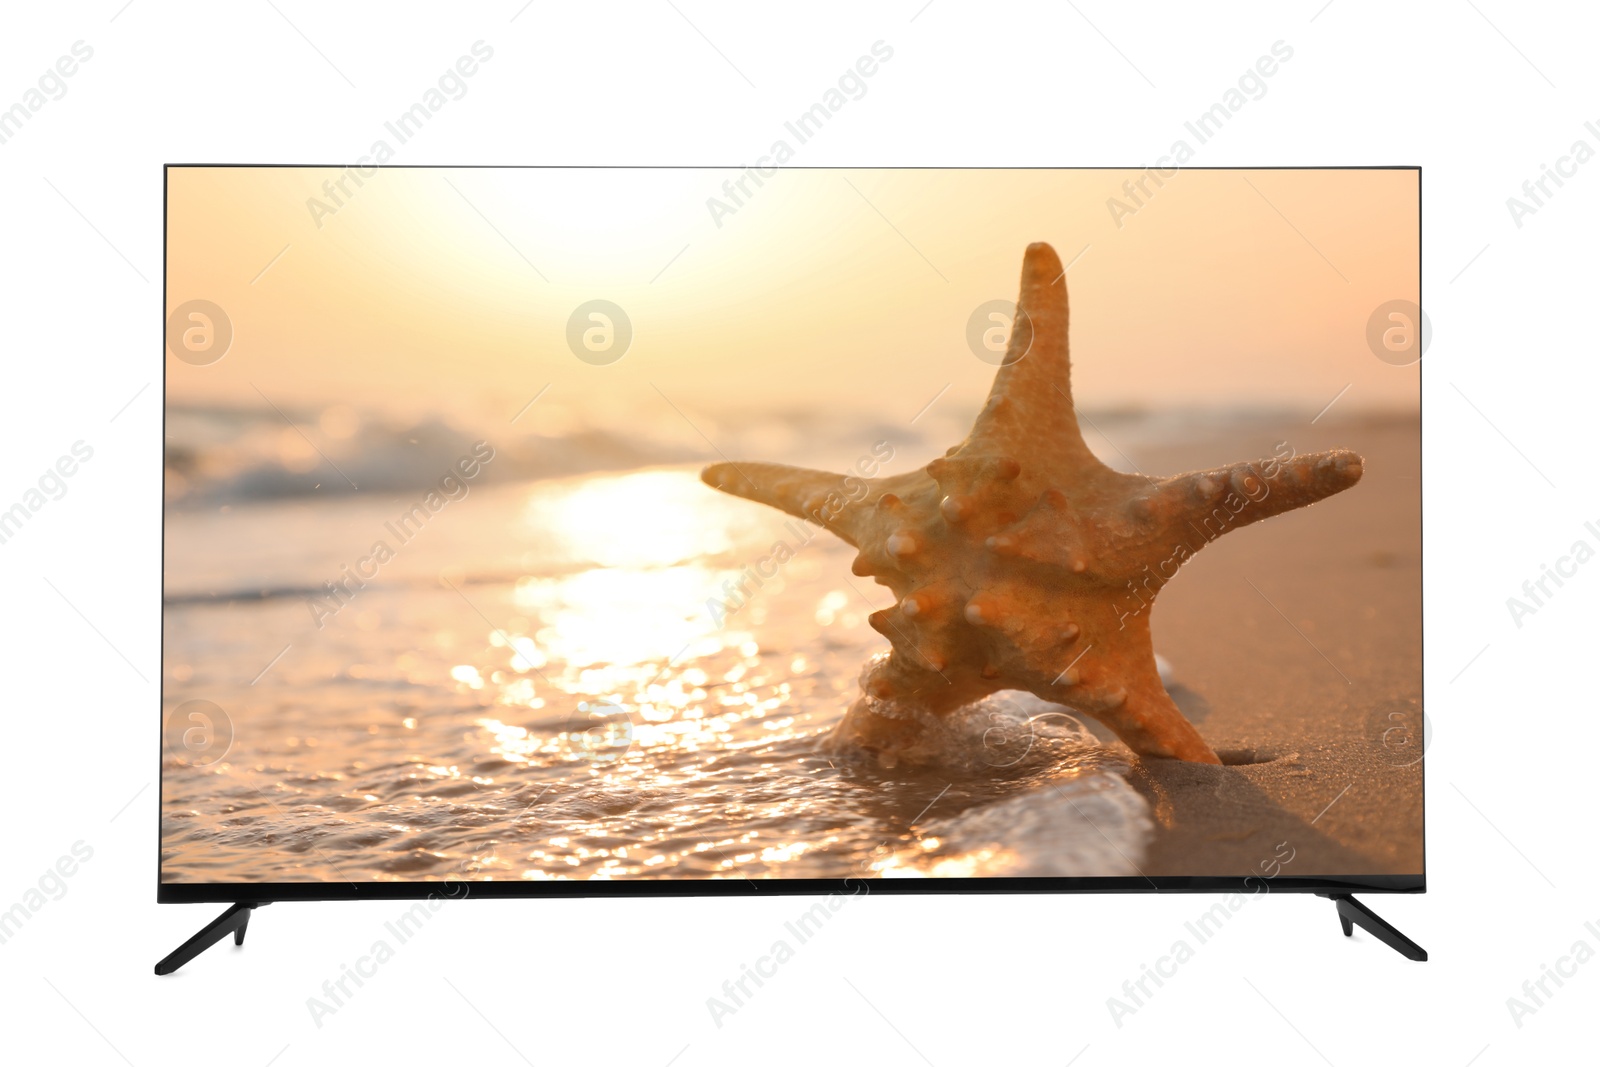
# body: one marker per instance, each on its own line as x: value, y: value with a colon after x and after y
x: 837, y: 502
x: 1031, y: 400
x: 1141, y: 713
x: 1195, y: 509
x: 1112, y: 676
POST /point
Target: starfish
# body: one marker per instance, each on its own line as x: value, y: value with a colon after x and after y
x: 1020, y: 561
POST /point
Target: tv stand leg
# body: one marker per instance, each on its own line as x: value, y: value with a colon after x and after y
x: 233, y: 921
x: 1353, y: 913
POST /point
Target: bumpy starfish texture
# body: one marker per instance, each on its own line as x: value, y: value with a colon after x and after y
x: 1020, y: 561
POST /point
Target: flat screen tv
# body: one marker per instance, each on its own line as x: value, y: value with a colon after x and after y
x: 662, y: 531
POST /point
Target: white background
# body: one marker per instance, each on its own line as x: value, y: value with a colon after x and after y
x: 1480, y: 94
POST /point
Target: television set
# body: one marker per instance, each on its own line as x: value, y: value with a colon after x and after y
x: 542, y: 532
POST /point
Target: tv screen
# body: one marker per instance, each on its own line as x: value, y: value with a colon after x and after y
x: 633, y: 530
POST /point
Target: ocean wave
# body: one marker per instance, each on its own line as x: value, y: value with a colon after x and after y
x: 221, y: 456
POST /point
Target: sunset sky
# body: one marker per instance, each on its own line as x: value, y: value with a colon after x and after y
x: 449, y: 292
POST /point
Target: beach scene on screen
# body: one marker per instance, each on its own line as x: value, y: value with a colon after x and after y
x: 446, y: 595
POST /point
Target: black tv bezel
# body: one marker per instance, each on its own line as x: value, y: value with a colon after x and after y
x: 271, y: 892
x: 466, y: 888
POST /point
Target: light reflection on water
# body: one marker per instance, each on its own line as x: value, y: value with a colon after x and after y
x: 535, y: 688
